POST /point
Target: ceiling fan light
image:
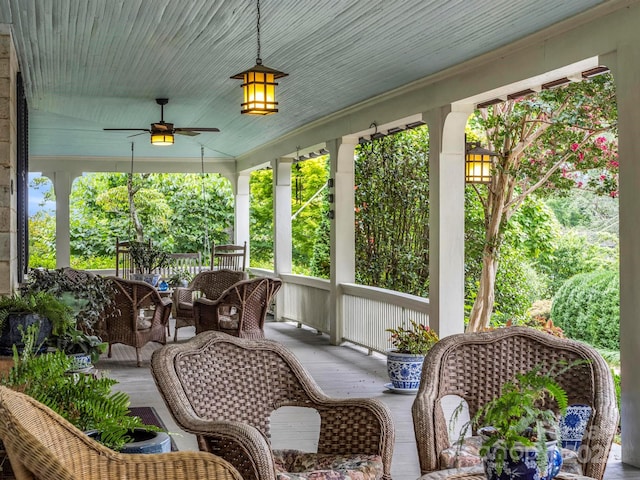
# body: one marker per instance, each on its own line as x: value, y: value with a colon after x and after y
x: 162, y: 139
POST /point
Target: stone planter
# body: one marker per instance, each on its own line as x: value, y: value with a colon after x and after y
x: 405, y: 370
x: 13, y: 327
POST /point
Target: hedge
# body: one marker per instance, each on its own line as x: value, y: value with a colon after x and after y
x: 587, y: 308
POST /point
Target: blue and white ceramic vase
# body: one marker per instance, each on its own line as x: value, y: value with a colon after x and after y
x: 521, y: 463
x: 404, y: 369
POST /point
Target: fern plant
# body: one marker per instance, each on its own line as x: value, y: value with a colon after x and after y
x: 524, y: 415
x: 84, y: 400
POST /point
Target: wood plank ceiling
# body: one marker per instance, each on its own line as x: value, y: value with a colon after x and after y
x: 91, y: 64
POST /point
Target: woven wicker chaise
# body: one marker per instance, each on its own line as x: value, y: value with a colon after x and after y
x: 474, y: 366
x: 224, y: 389
x: 42, y: 445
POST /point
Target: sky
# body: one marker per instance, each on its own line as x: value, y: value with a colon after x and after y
x: 36, y: 196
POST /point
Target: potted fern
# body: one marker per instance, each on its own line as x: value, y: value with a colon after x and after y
x: 519, y: 428
x: 404, y: 361
x: 85, y: 400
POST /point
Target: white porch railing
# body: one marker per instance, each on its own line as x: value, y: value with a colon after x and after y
x: 305, y: 300
x: 368, y: 311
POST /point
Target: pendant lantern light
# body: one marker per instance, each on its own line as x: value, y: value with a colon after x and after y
x: 478, y: 163
x: 258, y: 84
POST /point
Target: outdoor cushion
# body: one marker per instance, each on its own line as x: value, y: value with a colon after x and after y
x: 573, y: 424
x: 296, y: 465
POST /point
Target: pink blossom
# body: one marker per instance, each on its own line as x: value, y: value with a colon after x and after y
x: 614, y: 164
x: 603, y: 177
x: 579, y: 184
x: 614, y: 194
x: 574, y: 146
x: 580, y: 156
x: 600, y: 140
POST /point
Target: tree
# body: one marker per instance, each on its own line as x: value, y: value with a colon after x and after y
x: 547, y: 142
x: 392, y: 212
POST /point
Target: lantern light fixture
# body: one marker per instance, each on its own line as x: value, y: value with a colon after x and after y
x: 478, y: 163
x: 258, y: 84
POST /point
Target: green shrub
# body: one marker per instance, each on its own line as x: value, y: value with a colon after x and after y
x: 587, y: 308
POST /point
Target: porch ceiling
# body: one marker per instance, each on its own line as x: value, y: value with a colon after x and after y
x: 95, y: 64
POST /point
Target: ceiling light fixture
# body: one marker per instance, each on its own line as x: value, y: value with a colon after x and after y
x: 258, y: 84
x: 161, y: 138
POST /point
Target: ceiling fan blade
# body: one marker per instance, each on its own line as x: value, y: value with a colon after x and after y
x: 127, y: 129
x: 136, y: 134
x: 196, y: 129
x: 187, y: 133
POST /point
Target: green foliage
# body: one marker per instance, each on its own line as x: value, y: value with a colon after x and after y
x: 171, y: 207
x: 575, y: 253
x: 308, y: 207
x: 587, y: 308
x: 522, y: 414
x: 87, y: 298
x: 147, y: 257
x: 416, y: 340
x: 41, y: 303
x: 321, y: 259
x: 85, y: 400
x: 392, y: 217
x: 261, y: 223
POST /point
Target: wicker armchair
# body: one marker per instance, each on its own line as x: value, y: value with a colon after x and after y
x: 474, y: 366
x: 41, y: 444
x: 224, y: 389
x: 240, y: 310
x: 124, y: 323
x: 210, y: 284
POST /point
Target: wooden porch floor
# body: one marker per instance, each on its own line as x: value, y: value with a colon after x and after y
x: 344, y: 371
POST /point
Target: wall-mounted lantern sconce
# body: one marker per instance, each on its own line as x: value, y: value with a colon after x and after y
x: 478, y: 163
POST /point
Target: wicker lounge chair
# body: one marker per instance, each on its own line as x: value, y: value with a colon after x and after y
x: 123, y: 321
x: 42, y: 445
x: 241, y: 310
x: 210, y: 284
x: 474, y: 366
x: 224, y: 389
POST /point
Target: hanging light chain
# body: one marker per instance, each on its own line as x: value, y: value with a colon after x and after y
x: 258, y: 60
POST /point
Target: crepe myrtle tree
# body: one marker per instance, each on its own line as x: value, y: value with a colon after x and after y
x: 550, y: 141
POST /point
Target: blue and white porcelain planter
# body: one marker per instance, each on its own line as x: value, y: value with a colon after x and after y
x: 521, y: 463
x: 404, y: 369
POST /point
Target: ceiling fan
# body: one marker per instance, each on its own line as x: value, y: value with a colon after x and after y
x: 162, y: 132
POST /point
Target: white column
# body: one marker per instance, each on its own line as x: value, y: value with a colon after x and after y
x: 282, y: 215
x: 343, y: 259
x: 62, y: 182
x: 626, y: 70
x: 446, y: 219
x: 241, y: 211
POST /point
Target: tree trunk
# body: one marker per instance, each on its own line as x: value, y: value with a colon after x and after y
x: 483, y: 306
x: 132, y: 209
x: 495, y: 217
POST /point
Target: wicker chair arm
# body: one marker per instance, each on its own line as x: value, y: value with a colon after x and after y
x: 206, y: 302
x: 239, y: 443
x: 166, y: 302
